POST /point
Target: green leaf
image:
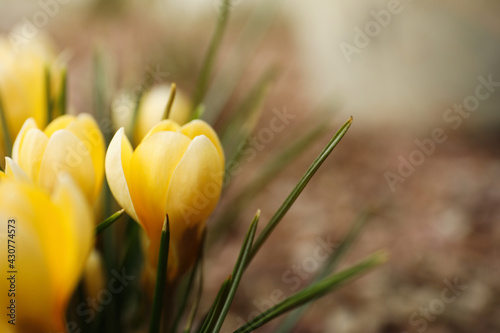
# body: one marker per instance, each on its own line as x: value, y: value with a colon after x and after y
x: 100, y: 90
x: 198, y: 112
x: 196, y: 302
x: 225, y: 83
x: 264, y: 177
x: 238, y: 270
x: 189, y: 286
x: 5, y: 130
x: 135, y: 113
x: 241, y: 124
x: 108, y: 222
x: 206, y: 68
x: 289, y: 201
x: 170, y: 102
x: 216, y: 307
x: 161, y: 278
x: 63, y: 96
x: 330, y: 265
x: 48, y: 95
x: 314, y: 291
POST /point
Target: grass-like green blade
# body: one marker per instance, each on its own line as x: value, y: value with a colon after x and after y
x: 330, y: 265
x: 63, y: 96
x: 314, y: 291
x: 108, y: 222
x: 268, y: 229
x: 265, y: 176
x: 100, y: 90
x: 208, y: 323
x: 196, y: 302
x: 208, y: 62
x: 170, y: 102
x: 225, y: 83
x: 198, y: 112
x: 189, y: 287
x: 238, y: 270
x: 5, y: 129
x: 48, y: 95
x: 161, y: 278
x: 242, y: 123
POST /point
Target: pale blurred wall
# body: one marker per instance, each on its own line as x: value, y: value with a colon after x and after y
x: 426, y: 58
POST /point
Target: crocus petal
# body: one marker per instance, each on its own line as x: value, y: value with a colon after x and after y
x: 87, y: 130
x: 199, y: 127
x: 37, y: 297
x: 13, y: 170
x: 28, y: 124
x: 78, y: 225
x: 59, y: 123
x: 65, y: 152
x: 117, y: 165
x: 31, y: 153
x: 193, y: 193
x: 149, y: 177
x: 164, y: 125
x: 152, y: 109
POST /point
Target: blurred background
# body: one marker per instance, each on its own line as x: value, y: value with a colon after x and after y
x: 420, y: 78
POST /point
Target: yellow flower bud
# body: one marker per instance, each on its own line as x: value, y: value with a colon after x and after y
x: 73, y: 144
x: 23, y: 83
x: 50, y: 237
x: 151, y: 110
x: 176, y: 171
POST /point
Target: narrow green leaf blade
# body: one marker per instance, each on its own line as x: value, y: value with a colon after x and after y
x: 170, y: 102
x: 299, y: 188
x: 63, y: 96
x: 314, y: 291
x: 215, y: 308
x: 330, y: 265
x: 189, y: 287
x: 48, y: 95
x: 5, y: 129
x: 264, y: 177
x: 197, y: 300
x: 206, y: 69
x: 161, y: 278
x: 108, y: 222
x: 238, y: 270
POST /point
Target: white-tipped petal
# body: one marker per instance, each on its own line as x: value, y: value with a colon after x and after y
x: 117, y: 166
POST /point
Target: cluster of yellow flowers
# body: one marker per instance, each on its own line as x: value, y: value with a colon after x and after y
x: 53, y: 181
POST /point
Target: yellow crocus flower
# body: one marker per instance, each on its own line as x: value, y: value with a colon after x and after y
x: 151, y: 110
x: 23, y: 90
x: 73, y: 144
x: 175, y: 170
x: 45, y: 242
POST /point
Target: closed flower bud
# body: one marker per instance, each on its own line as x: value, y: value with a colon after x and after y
x: 176, y: 171
x: 23, y: 90
x: 151, y: 110
x: 49, y: 237
x: 71, y: 144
